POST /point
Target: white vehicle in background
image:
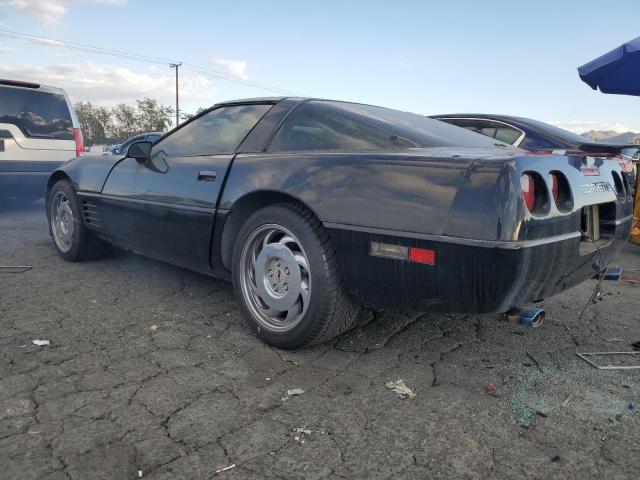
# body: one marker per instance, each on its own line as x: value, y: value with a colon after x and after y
x: 38, y: 132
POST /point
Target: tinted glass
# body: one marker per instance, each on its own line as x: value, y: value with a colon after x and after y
x: 219, y: 131
x: 127, y: 143
x: 499, y: 131
x: 534, y: 141
x: 556, y: 131
x: 335, y: 126
x: 37, y: 114
x: 507, y: 134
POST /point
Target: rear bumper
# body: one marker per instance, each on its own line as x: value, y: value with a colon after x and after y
x: 25, y: 178
x: 469, y: 276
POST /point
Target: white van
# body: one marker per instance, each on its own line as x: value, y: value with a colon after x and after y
x: 38, y: 132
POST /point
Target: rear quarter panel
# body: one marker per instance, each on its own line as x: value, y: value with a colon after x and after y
x: 401, y: 191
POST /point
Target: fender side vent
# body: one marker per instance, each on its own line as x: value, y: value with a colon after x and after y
x: 91, y: 214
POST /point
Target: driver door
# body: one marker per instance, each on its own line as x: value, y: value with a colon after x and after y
x: 164, y: 207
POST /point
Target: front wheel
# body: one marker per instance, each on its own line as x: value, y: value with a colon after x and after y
x: 73, y: 241
x: 286, y: 277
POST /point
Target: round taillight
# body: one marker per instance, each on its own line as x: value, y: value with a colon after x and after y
x: 528, y: 186
x: 553, y: 179
x: 617, y: 181
x: 561, y: 191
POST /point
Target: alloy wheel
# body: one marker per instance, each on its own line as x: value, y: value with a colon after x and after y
x: 275, y: 278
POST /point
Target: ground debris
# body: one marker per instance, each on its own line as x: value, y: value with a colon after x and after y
x: 224, y: 469
x: 41, y: 343
x: 15, y: 268
x: 292, y: 393
x: 400, y: 388
x: 154, y: 328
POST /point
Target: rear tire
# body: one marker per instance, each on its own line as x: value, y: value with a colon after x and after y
x: 73, y: 241
x: 287, y: 280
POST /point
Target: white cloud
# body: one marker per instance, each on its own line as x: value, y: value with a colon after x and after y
x: 6, y: 49
x: 108, y: 86
x: 582, y: 126
x: 237, y: 68
x: 50, y: 11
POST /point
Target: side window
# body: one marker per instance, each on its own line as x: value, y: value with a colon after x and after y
x: 488, y: 128
x: 219, y: 131
x: 507, y: 134
x: 537, y: 142
x: 316, y: 126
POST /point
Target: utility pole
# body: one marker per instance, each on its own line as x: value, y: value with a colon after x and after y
x: 176, y: 66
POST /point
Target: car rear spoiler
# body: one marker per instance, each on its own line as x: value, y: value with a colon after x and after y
x: 594, y: 149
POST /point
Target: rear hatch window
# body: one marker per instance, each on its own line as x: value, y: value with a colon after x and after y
x: 37, y: 114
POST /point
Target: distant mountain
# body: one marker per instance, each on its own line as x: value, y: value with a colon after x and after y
x: 612, y: 137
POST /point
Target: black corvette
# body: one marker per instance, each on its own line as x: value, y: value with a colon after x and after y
x: 311, y: 207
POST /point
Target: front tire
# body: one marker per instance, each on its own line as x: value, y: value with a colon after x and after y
x: 73, y: 241
x: 286, y: 278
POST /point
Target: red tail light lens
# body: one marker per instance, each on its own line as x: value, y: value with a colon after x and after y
x: 528, y: 187
x: 77, y: 135
x: 421, y: 255
x: 553, y: 179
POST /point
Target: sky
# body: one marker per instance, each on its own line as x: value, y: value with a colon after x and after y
x: 429, y: 57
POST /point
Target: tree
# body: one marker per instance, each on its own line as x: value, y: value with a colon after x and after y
x: 188, y: 116
x: 153, y: 116
x: 125, y: 122
x: 101, y: 125
x: 95, y: 122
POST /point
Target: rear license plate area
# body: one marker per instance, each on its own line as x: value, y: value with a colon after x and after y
x: 590, y: 222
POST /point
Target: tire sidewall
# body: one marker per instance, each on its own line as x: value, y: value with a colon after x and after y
x: 320, y: 299
x: 65, y: 187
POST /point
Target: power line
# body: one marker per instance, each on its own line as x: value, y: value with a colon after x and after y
x: 50, y: 42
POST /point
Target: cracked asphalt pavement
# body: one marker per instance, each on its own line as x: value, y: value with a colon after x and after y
x: 149, y: 369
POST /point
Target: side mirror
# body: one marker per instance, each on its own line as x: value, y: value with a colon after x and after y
x: 141, y: 151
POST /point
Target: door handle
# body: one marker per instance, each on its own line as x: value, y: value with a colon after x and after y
x: 207, y: 175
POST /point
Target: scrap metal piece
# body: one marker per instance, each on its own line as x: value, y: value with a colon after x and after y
x: 613, y: 273
x: 585, y: 355
x: 14, y: 268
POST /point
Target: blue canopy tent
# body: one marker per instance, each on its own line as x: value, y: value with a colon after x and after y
x: 617, y: 71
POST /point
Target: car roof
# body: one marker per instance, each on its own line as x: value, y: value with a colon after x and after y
x: 252, y: 100
x: 488, y: 116
x: 23, y: 85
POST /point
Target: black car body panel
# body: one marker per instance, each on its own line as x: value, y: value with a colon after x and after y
x: 462, y: 203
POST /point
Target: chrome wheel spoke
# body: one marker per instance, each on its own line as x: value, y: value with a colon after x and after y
x: 293, y: 312
x: 286, y: 239
x: 305, y: 294
x: 302, y: 260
